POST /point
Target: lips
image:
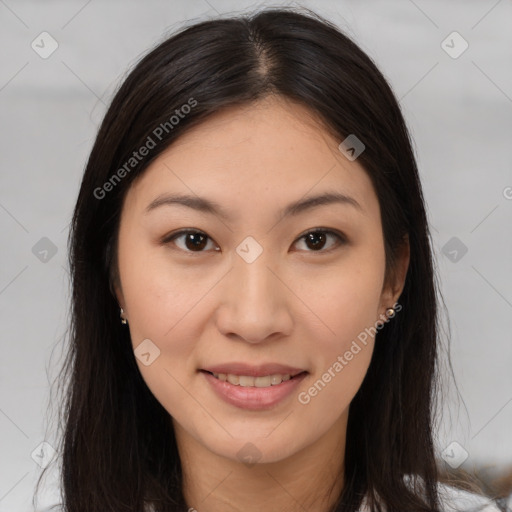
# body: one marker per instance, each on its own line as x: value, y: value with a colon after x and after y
x: 254, y: 393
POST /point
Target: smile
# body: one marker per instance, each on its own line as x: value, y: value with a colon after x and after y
x: 254, y: 393
x: 250, y: 381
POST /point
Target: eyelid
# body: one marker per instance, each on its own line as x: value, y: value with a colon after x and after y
x: 342, y: 239
x: 320, y: 229
x: 185, y: 231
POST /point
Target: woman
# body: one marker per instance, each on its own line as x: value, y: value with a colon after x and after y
x: 254, y: 319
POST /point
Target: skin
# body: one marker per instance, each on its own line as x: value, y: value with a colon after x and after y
x: 294, y: 304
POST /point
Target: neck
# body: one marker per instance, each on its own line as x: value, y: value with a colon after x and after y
x: 310, y: 479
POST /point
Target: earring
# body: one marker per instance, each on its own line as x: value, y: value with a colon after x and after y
x: 123, y: 319
x: 390, y: 312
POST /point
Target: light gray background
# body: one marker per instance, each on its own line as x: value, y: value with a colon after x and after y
x: 459, y: 111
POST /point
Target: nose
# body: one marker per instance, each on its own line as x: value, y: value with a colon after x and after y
x: 255, y: 302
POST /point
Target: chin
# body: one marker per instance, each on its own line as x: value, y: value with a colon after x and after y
x: 251, y: 450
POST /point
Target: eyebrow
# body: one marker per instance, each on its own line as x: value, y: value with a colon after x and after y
x: 211, y: 207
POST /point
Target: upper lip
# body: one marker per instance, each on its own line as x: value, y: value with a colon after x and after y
x: 254, y: 371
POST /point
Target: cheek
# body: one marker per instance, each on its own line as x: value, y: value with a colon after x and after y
x: 167, y: 303
x: 159, y: 294
x: 160, y: 304
x: 328, y: 395
x: 347, y: 299
x: 161, y: 307
x: 347, y: 304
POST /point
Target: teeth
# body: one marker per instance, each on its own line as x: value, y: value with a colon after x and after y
x: 248, y: 381
x: 233, y: 379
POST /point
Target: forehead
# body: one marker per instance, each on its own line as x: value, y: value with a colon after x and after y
x: 273, y: 126
x: 268, y: 152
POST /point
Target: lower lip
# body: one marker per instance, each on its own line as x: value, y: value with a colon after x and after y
x: 253, y: 398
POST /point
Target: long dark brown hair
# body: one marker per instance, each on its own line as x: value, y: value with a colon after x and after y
x: 118, y: 449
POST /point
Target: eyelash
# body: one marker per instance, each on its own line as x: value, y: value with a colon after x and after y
x: 341, y: 239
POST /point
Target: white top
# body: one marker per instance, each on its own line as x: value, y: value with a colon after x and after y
x: 457, y: 500
x: 452, y: 500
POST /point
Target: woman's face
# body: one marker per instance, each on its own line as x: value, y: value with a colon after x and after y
x: 252, y: 295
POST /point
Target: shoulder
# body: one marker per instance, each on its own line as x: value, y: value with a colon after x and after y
x: 458, y: 500
x: 453, y: 499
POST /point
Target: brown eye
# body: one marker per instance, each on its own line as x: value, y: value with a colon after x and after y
x: 196, y: 241
x: 316, y: 240
x: 191, y: 241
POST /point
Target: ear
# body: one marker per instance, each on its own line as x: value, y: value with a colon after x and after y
x: 395, y: 281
